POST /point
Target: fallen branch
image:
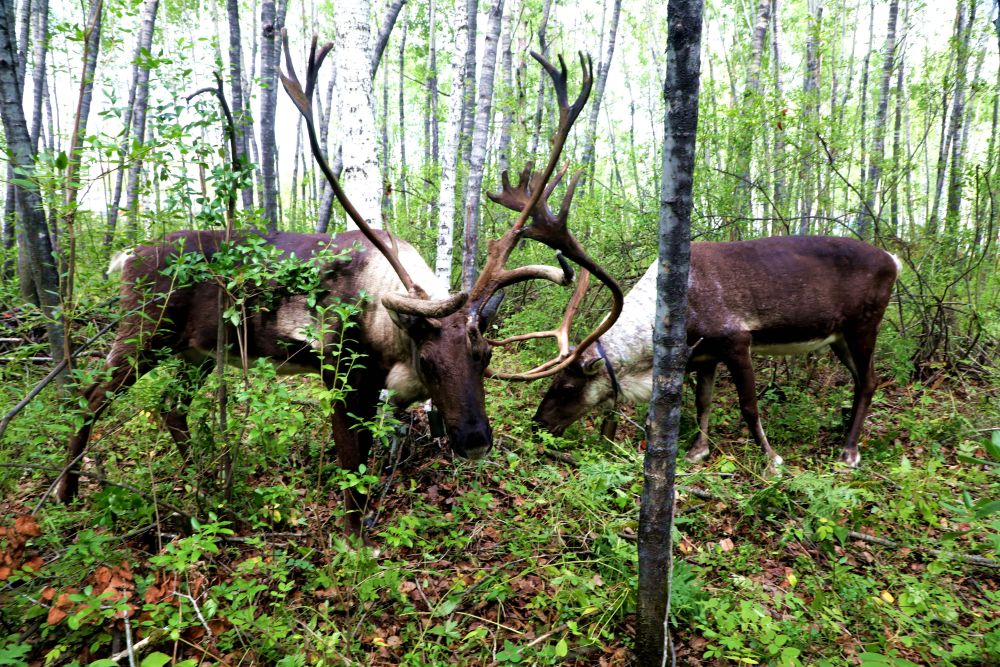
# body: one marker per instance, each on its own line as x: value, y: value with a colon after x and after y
x: 972, y: 560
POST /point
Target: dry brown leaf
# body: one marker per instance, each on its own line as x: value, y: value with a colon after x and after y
x: 726, y: 544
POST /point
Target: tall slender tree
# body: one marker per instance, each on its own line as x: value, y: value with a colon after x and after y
x: 680, y: 91
x: 361, y: 175
x: 41, y: 274
x: 474, y: 184
x: 866, y: 217
x: 599, y: 85
x: 244, y: 126
x: 271, y: 23
x: 449, y: 153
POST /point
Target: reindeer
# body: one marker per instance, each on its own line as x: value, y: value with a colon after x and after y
x: 777, y: 296
x: 415, y: 339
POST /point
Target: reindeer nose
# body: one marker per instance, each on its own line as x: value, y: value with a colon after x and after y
x: 473, y: 444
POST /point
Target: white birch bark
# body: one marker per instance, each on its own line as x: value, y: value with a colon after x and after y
x: 449, y: 153
x: 474, y: 184
x: 148, y: 22
x: 361, y: 178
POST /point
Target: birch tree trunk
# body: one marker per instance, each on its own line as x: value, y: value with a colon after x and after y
x: 779, y: 131
x: 543, y: 48
x: 867, y: 215
x: 271, y: 22
x: 449, y: 153
x: 961, y: 116
x: 382, y: 39
x: 361, y: 178
x: 810, y: 90
x: 474, y: 185
x: 506, y: 71
x: 963, y: 33
x: 469, y: 85
x: 430, y: 119
x: 602, y: 79
x: 670, y: 345
x: 91, y: 47
x: 401, y: 188
x: 42, y: 274
x: 751, y: 110
x: 243, y: 125
x: 40, y: 14
x: 148, y: 22
x: 10, y: 204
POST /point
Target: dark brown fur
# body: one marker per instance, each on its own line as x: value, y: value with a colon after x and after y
x: 745, y: 295
x: 446, y: 356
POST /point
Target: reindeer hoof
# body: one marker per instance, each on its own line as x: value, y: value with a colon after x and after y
x: 851, y: 459
x: 774, y: 468
x: 696, y: 454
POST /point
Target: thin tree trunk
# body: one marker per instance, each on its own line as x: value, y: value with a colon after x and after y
x: 897, y: 155
x: 148, y: 22
x: 543, y: 48
x: 474, y: 185
x: 430, y: 119
x: 656, y: 513
x: 751, y: 110
x: 402, y: 116
x: 779, y: 131
x: 506, y: 67
x: 392, y: 13
x: 863, y: 126
x: 810, y: 90
x: 361, y: 179
x: 243, y: 126
x: 271, y: 21
x: 469, y: 86
x: 602, y: 79
x: 949, y: 130
x: 867, y: 215
x: 385, y: 145
x: 961, y: 117
x: 91, y: 47
x: 42, y: 273
x: 449, y: 153
x: 40, y: 15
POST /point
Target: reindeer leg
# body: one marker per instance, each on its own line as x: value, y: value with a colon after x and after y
x: 856, y: 353
x: 704, y: 390
x: 354, y: 441
x: 177, y: 401
x: 125, y: 369
x: 741, y: 368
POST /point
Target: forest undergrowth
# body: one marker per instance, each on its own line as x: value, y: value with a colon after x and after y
x: 526, y: 558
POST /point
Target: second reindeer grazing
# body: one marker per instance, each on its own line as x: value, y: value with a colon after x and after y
x: 414, y: 338
x: 777, y: 296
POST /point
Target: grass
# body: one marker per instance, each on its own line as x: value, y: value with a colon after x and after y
x: 522, y: 559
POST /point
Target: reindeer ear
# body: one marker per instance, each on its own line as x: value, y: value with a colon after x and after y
x: 488, y: 312
x: 416, y: 326
x: 592, y: 366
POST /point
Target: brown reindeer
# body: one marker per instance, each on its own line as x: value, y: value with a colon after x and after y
x: 776, y: 296
x: 414, y: 338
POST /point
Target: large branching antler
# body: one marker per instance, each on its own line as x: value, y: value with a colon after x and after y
x: 530, y: 198
x: 416, y: 301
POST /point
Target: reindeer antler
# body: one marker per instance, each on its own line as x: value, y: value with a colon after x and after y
x: 416, y: 301
x: 530, y: 198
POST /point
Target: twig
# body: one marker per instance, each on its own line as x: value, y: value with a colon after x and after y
x: 141, y: 644
x: 564, y: 457
x: 971, y: 559
x: 197, y: 611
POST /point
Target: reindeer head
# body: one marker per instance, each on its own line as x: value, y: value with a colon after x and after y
x: 451, y: 355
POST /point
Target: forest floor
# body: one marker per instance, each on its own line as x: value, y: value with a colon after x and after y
x: 526, y: 558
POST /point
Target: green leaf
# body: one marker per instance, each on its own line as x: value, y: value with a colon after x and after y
x: 156, y: 659
x: 562, y: 648
x: 104, y: 662
x: 984, y: 510
x: 62, y: 161
x: 993, y: 446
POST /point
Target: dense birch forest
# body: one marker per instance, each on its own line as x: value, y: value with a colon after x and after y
x: 253, y: 539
